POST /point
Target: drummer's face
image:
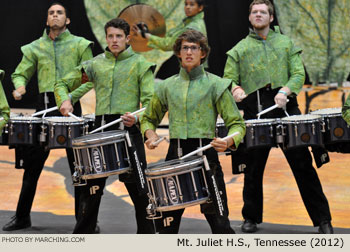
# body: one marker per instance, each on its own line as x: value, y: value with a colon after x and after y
x: 116, y: 40
x: 190, y: 55
x: 192, y: 8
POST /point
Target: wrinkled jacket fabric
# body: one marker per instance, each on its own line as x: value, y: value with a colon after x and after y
x: 193, y: 101
x: 166, y: 43
x: 52, y: 59
x: 120, y: 83
x: 254, y: 62
x: 4, y: 107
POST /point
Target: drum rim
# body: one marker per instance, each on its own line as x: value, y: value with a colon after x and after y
x: 184, y: 205
x: 291, y: 119
x: 111, y: 135
x: 106, y: 174
x: 50, y: 122
x: 317, y: 112
x: 267, y: 121
x: 172, y: 170
x: 32, y: 120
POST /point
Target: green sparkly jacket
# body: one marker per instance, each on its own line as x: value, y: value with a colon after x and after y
x: 166, y: 43
x: 120, y: 83
x: 253, y: 63
x: 51, y: 59
x: 4, y: 107
x: 346, y: 110
x: 194, y: 101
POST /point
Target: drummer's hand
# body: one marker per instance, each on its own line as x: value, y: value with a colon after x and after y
x: 17, y: 94
x: 281, y: 97
x: 221, y: 145
x: 238, y: 94
x: 66, y: 107
x: 151, y: 138
x: 129, y: 120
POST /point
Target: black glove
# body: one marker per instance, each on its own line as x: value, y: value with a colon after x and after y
x: 143, y: 28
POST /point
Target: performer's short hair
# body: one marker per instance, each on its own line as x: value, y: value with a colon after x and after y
x: 118, y: 23
x: 267, y: 2
x: 192, y: 36
x: 61, y: 4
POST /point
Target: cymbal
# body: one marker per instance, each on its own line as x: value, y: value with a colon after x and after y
x: 143, y: 13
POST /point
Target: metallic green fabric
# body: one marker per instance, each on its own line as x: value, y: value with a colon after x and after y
x: 166, y: 43
x: 346, y: 110
x: 51, y: 59
x: 4, y: 107
x: 194, y: 101
x: 253, y: 63
x: 120, y: 83
x: 322, y: 29
x: 99, y: 12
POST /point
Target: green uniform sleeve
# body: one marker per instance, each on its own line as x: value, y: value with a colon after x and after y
x: 297, y: 71
x: 229, y: 112
x: 346, y: 110
x: 146, y: 87
x: 231, y: 70
x: 86, y: 53
x: 4, y: 107
x: 26, y: 68
x: 153, y: 115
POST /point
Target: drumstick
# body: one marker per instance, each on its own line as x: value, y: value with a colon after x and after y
x: 268, y: 109
x: 158, y: 141
x: 45, y: 111
x: 75, y: 117
x: 207, y: 146
x: 116, y: 121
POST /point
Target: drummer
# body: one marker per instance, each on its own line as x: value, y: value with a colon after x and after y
x: 194, y: 98
x: 266, y: 66
x: 4, y: 107
x: 122, y: 80
x: 51, y: 56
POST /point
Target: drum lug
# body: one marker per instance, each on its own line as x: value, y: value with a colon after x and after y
x: 30, y: 130
x: 52, y: 131
x: 43, y: 133
x: 11, y: 129
x: 271, y: 131
x: 323, y: 126
x: 329, y: 128
x: 296, y: 130
x: 252, y: 133
x: 280, y: 134
x: 313, y: 129
x: 151, y: 209
x: 69, y: 132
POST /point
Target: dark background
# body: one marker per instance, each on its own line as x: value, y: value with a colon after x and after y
x: 22, y: 21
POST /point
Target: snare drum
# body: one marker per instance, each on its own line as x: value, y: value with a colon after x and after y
x: 61, y: 130
x: 24, y: 130
x: 221, y: 129
x: 302, y: 130
x: 177, y: 184
x: 336, y: 129
x: 101, y: 155
x: 260, y: 133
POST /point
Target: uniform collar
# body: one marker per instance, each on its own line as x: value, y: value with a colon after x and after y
x: 127, y: 53
x: 62, y: 36
x: 195, y: 73
x: 271, y: 33
x: 187, y: 20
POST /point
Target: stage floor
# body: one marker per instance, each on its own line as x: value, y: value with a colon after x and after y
x: 284, y: 211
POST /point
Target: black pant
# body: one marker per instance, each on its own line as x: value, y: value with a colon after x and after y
x: 170, y: 222
x: 299, y: 160
x: 34, y: 158
x: 90, y: 197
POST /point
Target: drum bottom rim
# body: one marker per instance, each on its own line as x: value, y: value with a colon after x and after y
x: 106, y: 174
x: 180, y: 206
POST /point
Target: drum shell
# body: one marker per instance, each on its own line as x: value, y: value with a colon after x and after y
x: 60, y: 135
x: 101, y: 157
x: 221, y: 130
x: 24, y: 132
x: 174, y: 187
x: 302, y: 133
x: 336, y: 130
x: 260, y: 135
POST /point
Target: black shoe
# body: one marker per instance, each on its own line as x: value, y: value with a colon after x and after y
x: 17, y: 223
x: 249, y: 226
x: 97, y: 229
x: 325, y: 228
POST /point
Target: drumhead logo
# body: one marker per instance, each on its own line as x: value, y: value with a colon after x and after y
x: 96, y: 159
x: 172, y: 190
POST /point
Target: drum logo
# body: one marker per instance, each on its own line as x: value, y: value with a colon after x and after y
x: 96, y: 159
x: 172, y: 190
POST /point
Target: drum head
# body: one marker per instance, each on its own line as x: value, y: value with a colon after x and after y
x: 327, y: 112
x: 63, y: 120
x: 29, y: 119
x: 175, y: 166
x: 267, y: 121
x: 102, y: 138
x: 301, y: 118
